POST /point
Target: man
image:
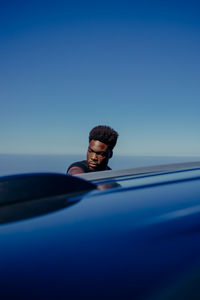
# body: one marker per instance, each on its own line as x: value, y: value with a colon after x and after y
x: 102, y: 140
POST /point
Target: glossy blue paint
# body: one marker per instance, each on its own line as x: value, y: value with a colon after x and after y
x: 136, y: 241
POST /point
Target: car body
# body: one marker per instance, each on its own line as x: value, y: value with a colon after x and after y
x: 128, y: 234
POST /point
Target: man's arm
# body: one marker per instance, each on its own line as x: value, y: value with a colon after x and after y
x: 75, y: 170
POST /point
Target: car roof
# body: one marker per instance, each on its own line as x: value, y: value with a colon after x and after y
x: 130, y: 241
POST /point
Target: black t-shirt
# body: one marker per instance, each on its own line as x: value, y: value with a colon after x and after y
x: 83, y: 165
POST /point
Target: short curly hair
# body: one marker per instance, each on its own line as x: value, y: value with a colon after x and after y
x: 104, y: 134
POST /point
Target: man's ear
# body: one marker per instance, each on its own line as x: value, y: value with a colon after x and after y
x: 110, y: 154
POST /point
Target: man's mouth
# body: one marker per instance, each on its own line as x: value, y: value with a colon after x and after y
x: 92, y: 164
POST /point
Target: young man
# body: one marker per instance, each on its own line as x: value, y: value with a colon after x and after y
x: 102, y: 140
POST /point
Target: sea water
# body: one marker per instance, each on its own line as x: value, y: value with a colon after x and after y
x: 11, y: 164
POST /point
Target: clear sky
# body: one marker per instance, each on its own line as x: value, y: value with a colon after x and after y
x: 67, y: 66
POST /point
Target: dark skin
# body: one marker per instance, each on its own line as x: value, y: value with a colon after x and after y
x: 98, y: 155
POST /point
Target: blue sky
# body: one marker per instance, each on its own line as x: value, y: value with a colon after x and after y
x: 67, y: 66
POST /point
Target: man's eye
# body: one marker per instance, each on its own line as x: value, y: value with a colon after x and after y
x: 103, y: 154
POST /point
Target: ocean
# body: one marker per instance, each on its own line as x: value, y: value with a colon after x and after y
x: 11, y: 164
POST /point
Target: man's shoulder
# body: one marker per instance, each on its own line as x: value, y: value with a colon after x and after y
x: 80, y: 164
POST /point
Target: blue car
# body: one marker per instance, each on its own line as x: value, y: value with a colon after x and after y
x: 126, y: 234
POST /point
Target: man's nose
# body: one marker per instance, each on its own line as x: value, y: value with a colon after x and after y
x: 94, y: 156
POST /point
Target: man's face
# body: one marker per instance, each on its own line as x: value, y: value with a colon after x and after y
x: 98, y: 155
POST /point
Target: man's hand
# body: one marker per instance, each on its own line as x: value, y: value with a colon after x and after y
x: 75, y: 170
